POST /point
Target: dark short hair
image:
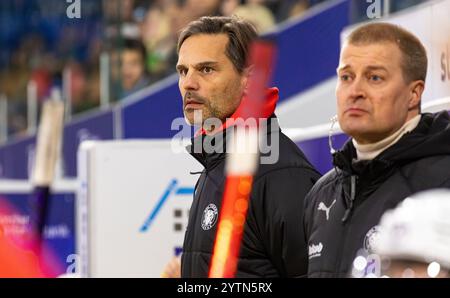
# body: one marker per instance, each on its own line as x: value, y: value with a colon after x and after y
x: 135, y: 45
x: 240, y: 34
x: 414, y: 56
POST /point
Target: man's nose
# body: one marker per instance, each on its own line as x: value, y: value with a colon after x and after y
x: 190, y: 81
x: 357, y: 89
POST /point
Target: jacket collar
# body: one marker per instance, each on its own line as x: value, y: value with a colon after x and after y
x: 430, y: 137
x: 209, y: 150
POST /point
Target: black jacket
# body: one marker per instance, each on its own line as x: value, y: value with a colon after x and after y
x: 273, y: 240
x: 360, y: 192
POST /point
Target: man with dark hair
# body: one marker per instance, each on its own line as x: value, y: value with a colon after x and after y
x: 133, y: 71
x: 213, y: 77
x: 394, y: 151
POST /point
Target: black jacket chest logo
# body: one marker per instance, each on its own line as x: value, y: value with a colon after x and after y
x: 209, y: 217
x: 326, y: 209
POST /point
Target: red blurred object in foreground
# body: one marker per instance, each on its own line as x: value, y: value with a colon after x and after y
x: 20, y: 257
x: 241, y: 167
x: 231, y: 226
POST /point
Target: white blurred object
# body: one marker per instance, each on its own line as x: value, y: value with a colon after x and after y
x: 3, y: 118
x: 70, y: 275
x: 32, y: 106
x: 418, y: 229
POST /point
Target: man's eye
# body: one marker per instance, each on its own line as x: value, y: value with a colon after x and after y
x: 375, y: 78
x: 182, y: 72
x: 345, y: 77
x: 206, y: 69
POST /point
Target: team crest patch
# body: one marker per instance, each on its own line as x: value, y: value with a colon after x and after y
x: 371, y: 239
x: 209, y: 217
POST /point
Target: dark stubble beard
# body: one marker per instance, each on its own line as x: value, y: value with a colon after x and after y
x: 209, y: 110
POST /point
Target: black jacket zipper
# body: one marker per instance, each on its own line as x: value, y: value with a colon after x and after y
x: 349, y: 209
x: 345, y: 219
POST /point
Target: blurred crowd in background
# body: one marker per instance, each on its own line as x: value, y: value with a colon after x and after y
x: 40, y: 43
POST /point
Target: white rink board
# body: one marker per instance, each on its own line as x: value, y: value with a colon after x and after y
x: 121, y: 185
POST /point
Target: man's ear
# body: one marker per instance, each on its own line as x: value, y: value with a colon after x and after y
x: 417, y: 88
x: 247, y: 73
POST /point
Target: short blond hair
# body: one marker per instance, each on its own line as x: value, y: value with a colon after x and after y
x: 414, y: 55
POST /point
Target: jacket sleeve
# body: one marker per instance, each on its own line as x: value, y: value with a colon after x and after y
x: 445, y: 184
x: 278, y: 206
